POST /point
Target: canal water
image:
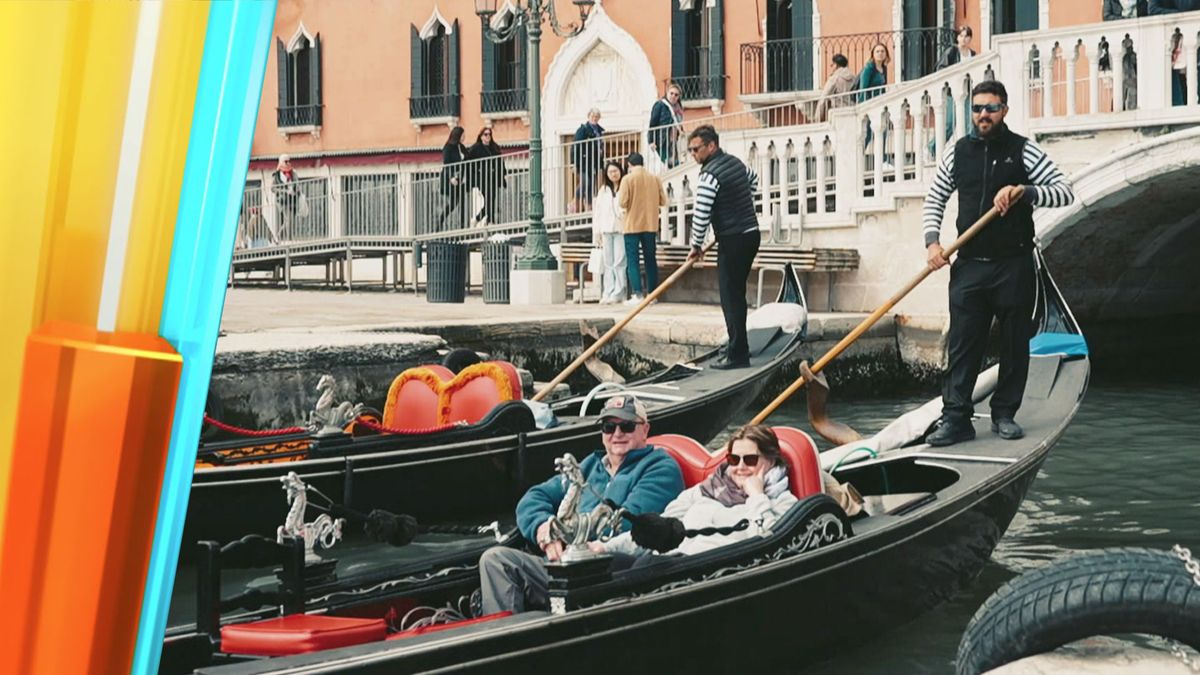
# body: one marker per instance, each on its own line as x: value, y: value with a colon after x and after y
x: 1126, y: 473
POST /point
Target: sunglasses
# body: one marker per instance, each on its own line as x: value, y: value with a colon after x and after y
x: 990, y: 107
x: 608, y: 426
x: 749, y: 460
x: 694, y: 148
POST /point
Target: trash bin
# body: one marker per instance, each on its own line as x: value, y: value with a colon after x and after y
x: 446, y: 272
x: 497, y: 261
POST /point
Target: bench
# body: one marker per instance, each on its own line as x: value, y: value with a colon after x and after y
x: 770, y: 257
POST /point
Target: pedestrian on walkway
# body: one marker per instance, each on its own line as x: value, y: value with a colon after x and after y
x: 587, y: 155
x: 993, y: 275
x: 608, y: 228
x: 641, y: 196
x: 453, y: 182
x: 287, y: 197
x: 838, y: 88
x: 487, y: 174
x: 725, y: 198
x: 666, y: 123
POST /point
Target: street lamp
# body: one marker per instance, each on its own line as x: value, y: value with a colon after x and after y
x: 531, y: 13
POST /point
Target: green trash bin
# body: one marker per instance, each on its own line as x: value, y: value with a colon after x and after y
x: 445, y: 271
x: 497, y: 261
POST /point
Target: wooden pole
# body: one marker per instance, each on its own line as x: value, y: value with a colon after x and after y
x: 878, y: 313
x: 604, y: 339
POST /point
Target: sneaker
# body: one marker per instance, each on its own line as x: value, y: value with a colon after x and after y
x: 634, y: 300
x: 1008, y: 428
x: 949, y: 433
x: 607, y: 301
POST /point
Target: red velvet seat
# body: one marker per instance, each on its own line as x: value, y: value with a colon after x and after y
x: 697, y: 463
x: 693, y: 458
x: 414, y: 399
x: 299, y: 633
x: 477, y: 389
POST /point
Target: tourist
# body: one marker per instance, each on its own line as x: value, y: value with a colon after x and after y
x: 959, y: 52
x: 587, y: 156
x: 608, y: 227
x: 487, y: 172
x: 1156, y: 7
x: 666, y: 120
x: 1124, y: 9
x: 640, y: 197
x: 453, y: 182
x: 874, y: 76
x: 287, y: 196
x: 838, y: 88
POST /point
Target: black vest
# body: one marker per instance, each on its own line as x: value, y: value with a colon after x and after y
x: 981, y: 168
x: 733, y: 209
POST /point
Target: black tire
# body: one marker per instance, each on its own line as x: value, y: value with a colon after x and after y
x: 1111, y: 591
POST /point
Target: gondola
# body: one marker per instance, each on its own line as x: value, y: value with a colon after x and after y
x: 817, y: 581
x: 493, y: 460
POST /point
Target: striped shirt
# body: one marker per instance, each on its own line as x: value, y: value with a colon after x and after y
x: 1050, y: 187
x: 706, y: 195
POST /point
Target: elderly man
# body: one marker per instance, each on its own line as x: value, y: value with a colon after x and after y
x: 635, y: 476
x: 587, y: 154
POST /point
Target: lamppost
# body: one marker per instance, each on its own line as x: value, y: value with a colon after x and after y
x: 530, y: 14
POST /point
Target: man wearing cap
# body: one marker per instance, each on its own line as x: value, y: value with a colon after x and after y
x: 640, y: 478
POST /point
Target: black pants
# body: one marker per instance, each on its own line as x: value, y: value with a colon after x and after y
x: 980, y: 289
x: 735, y: 255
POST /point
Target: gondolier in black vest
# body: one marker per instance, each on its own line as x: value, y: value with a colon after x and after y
x: 993, y: 275
x: 725, y: 197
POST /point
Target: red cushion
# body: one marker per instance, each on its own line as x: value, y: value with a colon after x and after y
x: 477, y: 389
x: 803, y: 460
x: 693, y: 458
x: 413, y: 399
x: 299, y: 633
x: 443, y: 626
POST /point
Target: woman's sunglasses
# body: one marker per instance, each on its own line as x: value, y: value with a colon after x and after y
x: 749, y: 460
x: 990, y: 107
x: 609, y: 427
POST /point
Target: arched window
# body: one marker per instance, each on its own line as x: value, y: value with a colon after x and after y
x: 299, y: 71
x: 434, y: 69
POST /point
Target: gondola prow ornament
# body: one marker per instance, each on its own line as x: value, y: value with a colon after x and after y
x: 575, y: 529
x: 325, y: 530
x: 326, y: 419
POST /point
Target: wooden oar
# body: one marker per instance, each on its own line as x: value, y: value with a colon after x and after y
x: 587, y: 354
x: 878, y: 313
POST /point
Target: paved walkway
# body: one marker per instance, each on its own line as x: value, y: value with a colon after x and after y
x: 250, y: 309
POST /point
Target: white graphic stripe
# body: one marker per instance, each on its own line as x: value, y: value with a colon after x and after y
x: 149, y: 18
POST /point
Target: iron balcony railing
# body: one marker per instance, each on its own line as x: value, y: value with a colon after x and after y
x: 505, y: 100
x: 700, y: 87
x: 299, y: 116
x: 803, y: 64
x: 434, y: 105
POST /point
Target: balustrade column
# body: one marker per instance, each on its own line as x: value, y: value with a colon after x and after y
x: 1189, y: 57
x: 920, y: 146
x: 877, y: 148
x: 1070, y: 82
x: 1116, y: 56
x: 939, y: 122
x: 1047, y: 82
x: 1094, y: 83
x: 847, y: 156
x: 819, y: 153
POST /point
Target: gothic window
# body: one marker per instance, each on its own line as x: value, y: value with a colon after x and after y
x: 299, y: 69
x: 697, y: 48
x: 504, y: 77
x: 434, y: 70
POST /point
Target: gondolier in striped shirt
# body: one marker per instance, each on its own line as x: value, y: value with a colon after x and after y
x: 993, y: 274
x: 725, y: 198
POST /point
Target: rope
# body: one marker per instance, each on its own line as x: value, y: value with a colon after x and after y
x: 375, y: 426
x: 253, y: 432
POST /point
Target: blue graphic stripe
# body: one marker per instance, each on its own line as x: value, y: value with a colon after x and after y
x: 230, y: 87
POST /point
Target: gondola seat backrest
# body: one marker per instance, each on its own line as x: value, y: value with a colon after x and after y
x: 804, y: 461
x: 695, y: 461
x: 414, y: 399
x: 299, y: 634
x: 477, y: 389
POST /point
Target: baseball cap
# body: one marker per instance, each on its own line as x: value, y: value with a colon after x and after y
x: 624, y: 407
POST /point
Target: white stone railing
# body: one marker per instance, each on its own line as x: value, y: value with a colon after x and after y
x: 1062, y: 79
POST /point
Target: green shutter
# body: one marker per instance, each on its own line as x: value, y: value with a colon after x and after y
x: 716, y: 48
x: 452, y: 87
x: 281, y: 63
x: 913, y: 21
x: 489, y: 62
x: 679, y: 36
x: 417, y: 64
x: 801, y: 47
x: 314, y: 70
x: 1027, y: 15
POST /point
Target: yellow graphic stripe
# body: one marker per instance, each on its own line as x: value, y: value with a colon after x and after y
x: 67, y: 72
x: 160, y: 175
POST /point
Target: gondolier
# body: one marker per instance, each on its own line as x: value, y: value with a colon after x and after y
x: 993, y: 275
x: 725, y: 197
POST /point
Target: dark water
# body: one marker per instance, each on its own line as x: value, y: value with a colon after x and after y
x: 1126, y: 473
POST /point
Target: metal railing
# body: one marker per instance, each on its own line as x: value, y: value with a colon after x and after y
x: 434, y: 105
x: 803, y: 64
x: 700, y: 87
x: 504, y: 100
x: 299, y: 116
x: 370, y: 205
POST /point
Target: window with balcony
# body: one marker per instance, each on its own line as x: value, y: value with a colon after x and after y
x: 435, y: 75
x: 697, y: 49
x: 299, y: 67
x: 504, y: 80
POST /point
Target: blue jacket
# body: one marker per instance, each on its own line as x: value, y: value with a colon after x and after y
x: 646, y: 482
x: 869, y: 79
